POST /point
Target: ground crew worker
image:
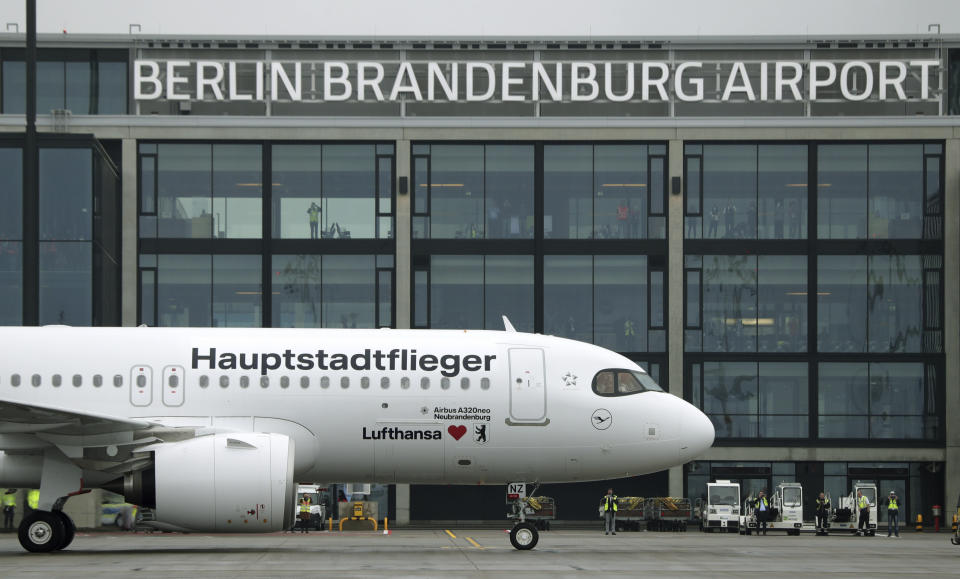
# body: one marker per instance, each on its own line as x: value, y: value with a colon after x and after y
x: 863, y: 504
x: 33, y: 500
x: 304, y: 514
x: 609, y: 506
x: 314, y: 214
x: 823, y: 511
x: 893, y: 515
x: 762, y: 509
x: 9, y: 506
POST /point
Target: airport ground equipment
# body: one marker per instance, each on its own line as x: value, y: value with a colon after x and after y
x: 846, y: 514
x: 318, y: 513
x: 667, y: 513
x: 721, y: 509
x: 360, y: 511
x: 524, y: 534
x: 541, y: 510
x: 786, y: 511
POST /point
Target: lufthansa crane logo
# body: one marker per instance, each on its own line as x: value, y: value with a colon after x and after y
x: 601, y: 419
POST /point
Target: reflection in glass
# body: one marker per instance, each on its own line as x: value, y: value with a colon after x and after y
x: 729, y: 303
x: 66, y: 283
x: 620, y: 182
x: 783, y: 402
x: 456, y: 291
x: 296, y: 291
x: 782, y: 191
x: 729, y: 191
x: 237, y: 191
x: 508, y: 291
x: 620, y: 302
x: 11, y: 283
x: 568, y: 296
x: 183, y: 290
x: 349, y: 291
x: 509, y: 191
x: 782, y: 302
x: 236, y: 291
x: 14, y: 87
x: 296, y: 190
x: 184, y: 194
x: 50, y: 87
x: 842, y: 192
x: 896, y: 191
x: 567, y: 191
x: 349, y: 192
x: 112, y: 88
x: 11, y: 193
x: 456, y: 191
x: 66, y: 194
x: 895, y: 302
x: 730, y: 398
x: 842, y: 301
x: 77, y: 89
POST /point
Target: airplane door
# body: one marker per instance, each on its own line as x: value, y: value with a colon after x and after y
x: 172, y: 385
x: 528, y: 393
x: 141, y: 385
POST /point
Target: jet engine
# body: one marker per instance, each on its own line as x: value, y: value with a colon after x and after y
x: 231, y: 483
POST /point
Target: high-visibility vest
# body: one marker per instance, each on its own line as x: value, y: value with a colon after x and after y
x: 33, y: 498
x: 764, y: 502
x: 823, y: 503
x: 10, y: 500
x: 610, y: 500
x: 892, y: 505
x: 863, y: 502
x: 304, y: 507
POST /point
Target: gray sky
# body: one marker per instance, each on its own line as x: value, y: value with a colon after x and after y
x: 488, y: 18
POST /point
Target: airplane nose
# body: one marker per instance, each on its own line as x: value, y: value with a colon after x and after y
x: 696, y: 435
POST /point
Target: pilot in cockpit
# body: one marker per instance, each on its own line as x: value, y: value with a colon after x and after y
x: 605, y: 383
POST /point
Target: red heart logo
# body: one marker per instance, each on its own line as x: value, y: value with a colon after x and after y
x: 457, y: 432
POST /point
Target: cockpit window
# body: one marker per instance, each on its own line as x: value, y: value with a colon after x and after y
x: 623, y: 382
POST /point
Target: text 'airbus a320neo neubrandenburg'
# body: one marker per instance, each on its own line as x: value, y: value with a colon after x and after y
x: 211, y: 428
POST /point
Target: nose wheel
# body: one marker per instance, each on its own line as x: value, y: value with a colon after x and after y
x: 524, y: 536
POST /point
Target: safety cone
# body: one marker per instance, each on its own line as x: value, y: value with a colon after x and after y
x: 919, y: 522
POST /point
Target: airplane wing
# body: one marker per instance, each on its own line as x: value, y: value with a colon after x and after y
x: 21, y: 418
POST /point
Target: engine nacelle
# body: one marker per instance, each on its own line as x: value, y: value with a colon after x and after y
x: 239, y: 483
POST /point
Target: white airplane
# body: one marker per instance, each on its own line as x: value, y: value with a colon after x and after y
x: 212, y: 427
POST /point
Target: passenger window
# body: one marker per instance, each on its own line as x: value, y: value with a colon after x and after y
x: 465, y: 383
x: 97, y: 380
x: 244, y: 381
x: 141, y: 381
x: 173, y: 380
x: 15, y: 380
x: 35, y: 379
x: 304, y: 382
x: 204, y: 381
x: 224, y: 381
x: 77, y: 380
x: 285, y: 381
x: 425, y: 383
x: 364, y: 382
x: 324, y: 381
x: 56, y: 380
x: 445, y: 383
x: 485, y: 383
x: 118, y: 380
x: 385, y: 382
x: 345, y: 382
x: 264, y: 381
x: 404, y: 383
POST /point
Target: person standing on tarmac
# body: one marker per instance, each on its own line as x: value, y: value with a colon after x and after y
x: 823, y: 511
x: 762, y: 508
x: 863, y: 506
x: 305, y: 514
x: 609, y: 506
x: 893, y: 515
x: 9, y: 506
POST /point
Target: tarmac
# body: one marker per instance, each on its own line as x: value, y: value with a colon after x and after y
x: 484, y: 552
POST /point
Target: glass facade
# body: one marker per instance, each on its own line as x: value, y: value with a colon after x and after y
x: 474, y: 291
x: 11, y: 236
x: 85, y: 82
x: 775, y: 319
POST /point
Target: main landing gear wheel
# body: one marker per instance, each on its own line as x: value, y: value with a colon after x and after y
x: 70, y: 530
x: 524, y: 536
x: 42, y: 532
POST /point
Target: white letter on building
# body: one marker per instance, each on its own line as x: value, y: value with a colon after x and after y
x: 781, y: 82
x: 406, y: 71
x: 152, y: 78
x: 924, y: 75
x: 374, y: 83
x: 213, y: 83
x: 232, y: 80
x: 738, y: 70
x: 845, y: 78
x: 278, y: 72
x: 435, y: 75
x: 696, y: 82
x: 173, y: 80
x: 608, y: 83
x: 555, y: 89
x: 896, y: 82
x: 590, y: 80
x: 341, y: 79
x: 506, y: 81
x: 815, y: 81
x: 646, y: 81
x: 491, y: 81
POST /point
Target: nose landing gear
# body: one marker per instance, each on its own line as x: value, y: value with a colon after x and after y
x: 46, y: 531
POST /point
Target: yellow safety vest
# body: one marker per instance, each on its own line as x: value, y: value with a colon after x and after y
x: 863, y: 502
x: 9, y: 500
x: 610, y: 500
x: 892, y: 505
x: 766, y: 505
x: 33, y: 498
x: 304, y: 507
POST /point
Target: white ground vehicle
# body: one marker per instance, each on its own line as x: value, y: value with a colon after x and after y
x: 722, y: 507
x: 786, y: 511
x: 846, y: 514
x: 317, y: 509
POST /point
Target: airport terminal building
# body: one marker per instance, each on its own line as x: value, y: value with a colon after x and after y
x: 769, y: 226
